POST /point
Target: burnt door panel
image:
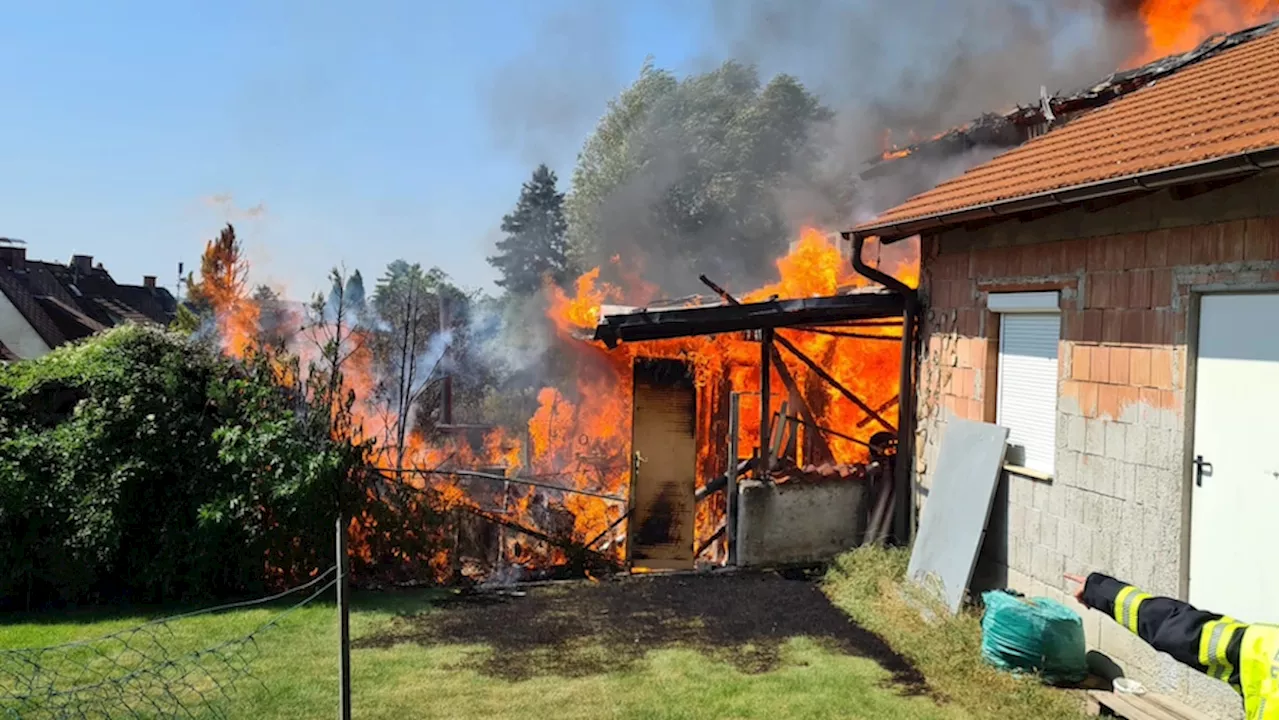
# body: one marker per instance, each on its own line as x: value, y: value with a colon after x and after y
x: 663, y: 428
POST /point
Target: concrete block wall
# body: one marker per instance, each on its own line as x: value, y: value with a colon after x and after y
x: 1118, y: 501
x: 799, y: 522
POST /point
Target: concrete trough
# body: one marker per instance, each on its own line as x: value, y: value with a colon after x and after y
x: 799, y: 522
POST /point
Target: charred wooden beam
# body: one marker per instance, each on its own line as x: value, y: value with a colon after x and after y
x: 883, y: 407
x: 718, y: 483
x: 829, y: 431
x: 792, y: 443
x: 689, y: 321
x: 731, y: 490
x: 838, y: 333
x: 867, y: 409
x: 711, y: 540
x: 713, y: 486
x: 897, y: 322
x: 592, y: 542
x: 790, y: 382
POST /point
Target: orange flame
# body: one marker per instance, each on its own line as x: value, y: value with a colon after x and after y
x: 580, y: 437
x: 1173, y: 26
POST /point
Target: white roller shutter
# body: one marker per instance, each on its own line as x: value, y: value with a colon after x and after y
x: 1027, y: 386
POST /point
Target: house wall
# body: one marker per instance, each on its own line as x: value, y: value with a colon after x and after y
x: 17, y: 333
x: 1119, y: 499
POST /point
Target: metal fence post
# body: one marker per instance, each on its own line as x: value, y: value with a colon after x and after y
x: 731, y: 489
x: 344, y: 626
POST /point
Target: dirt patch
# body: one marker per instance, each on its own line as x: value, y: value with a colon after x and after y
x: 577, y: 630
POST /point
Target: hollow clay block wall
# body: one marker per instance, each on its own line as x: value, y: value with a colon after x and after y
x: 798, y: 522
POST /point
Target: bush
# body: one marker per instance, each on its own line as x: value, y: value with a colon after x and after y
x: 142, y: 466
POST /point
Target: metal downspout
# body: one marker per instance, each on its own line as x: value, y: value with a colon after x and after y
x: 904, y: 516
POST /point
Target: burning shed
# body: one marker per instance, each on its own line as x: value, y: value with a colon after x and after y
x: 679, y: 510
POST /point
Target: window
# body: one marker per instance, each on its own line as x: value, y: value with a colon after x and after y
x: 1027, y: 378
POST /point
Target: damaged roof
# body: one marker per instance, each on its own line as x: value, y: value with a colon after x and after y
x: 1216, y: 116
x: 1013, y: 127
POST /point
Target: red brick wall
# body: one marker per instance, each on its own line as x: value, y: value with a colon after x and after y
x: 1124, y: 304
x: 1125, y: 301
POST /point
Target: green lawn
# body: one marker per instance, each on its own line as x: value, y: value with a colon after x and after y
x: 637, y: 649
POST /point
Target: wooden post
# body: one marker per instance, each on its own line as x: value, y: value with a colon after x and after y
x: 731, y: 490
x: 766, y: 348
x: 795, y: 400
x: 344, y: 625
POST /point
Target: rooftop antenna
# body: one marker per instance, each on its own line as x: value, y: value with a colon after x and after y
x: 178, y: 287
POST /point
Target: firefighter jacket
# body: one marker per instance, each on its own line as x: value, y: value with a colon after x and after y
x: 1242, y: 655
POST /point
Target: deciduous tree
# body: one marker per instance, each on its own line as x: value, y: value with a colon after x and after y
x: 700, y: 175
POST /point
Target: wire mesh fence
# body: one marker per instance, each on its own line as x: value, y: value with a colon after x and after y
x: 147, y: 671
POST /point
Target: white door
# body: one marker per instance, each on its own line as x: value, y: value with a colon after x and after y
x: 1235, y: 506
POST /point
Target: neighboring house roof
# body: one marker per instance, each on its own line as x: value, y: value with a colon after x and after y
x: 63, y: 304
x: 16, y: 287
x: 72, y: 323
x: 1223, y: 108
x: 97, y: 295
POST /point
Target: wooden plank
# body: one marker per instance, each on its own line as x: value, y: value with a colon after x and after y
x: 1144, y: 707
x: 1177, y: 708
x: 820, y: 441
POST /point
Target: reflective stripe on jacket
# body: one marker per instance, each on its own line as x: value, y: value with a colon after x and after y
x: 1239, y: 654
x: 1259, y: 667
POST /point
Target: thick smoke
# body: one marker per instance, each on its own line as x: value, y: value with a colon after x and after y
x: 915, y: 68
x: 927, y: 66
x: 545, y: 99
x: 910, y: 68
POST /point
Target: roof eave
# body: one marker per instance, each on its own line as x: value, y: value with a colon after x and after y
x: 1216, y: 169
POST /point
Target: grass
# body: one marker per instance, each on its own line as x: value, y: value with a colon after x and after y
x: 294, y: 673
x: 867, y: 584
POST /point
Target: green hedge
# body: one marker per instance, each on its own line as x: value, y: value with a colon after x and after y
x: 142, y: 466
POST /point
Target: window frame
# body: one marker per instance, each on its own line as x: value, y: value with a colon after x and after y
x: 1038, y: 303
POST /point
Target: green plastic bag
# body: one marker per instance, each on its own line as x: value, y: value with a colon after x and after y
x: 1033, y: 635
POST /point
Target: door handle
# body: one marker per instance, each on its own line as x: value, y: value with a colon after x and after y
x: 1203, y: 468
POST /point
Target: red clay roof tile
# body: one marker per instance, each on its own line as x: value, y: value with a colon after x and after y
x: 1223, y: 106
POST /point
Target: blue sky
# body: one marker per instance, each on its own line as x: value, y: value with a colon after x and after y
x: 368, y: 133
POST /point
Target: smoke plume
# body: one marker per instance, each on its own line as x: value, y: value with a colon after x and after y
x: 908, y: 69
x: 545, y: 99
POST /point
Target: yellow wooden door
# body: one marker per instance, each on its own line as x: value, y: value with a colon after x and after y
x: 663, y: 429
